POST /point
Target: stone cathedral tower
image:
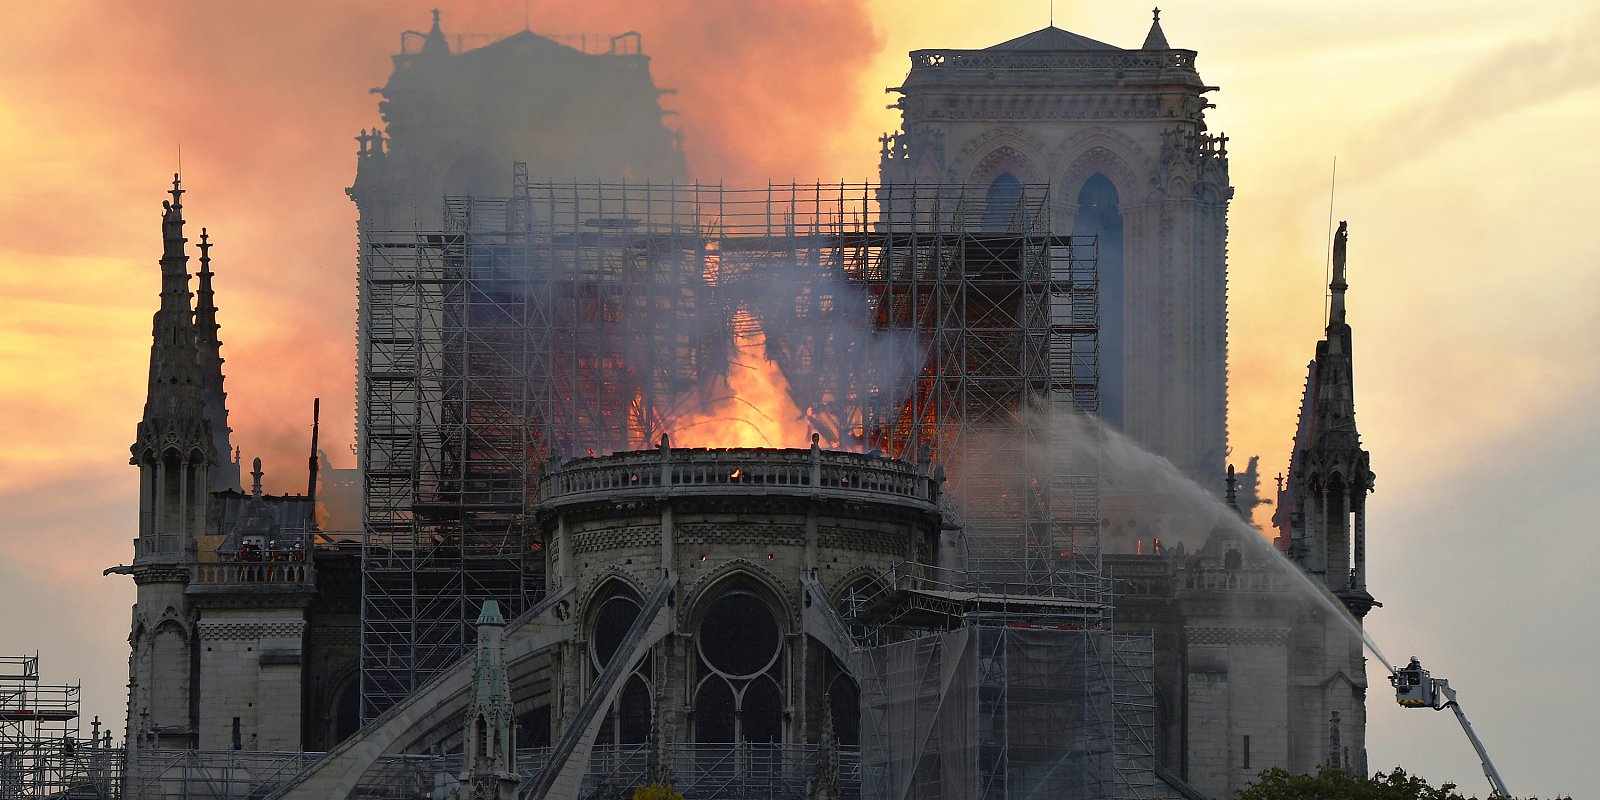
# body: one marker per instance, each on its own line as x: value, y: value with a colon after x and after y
x: 224, y: 578
x: 1120, y: 137
x: 182, y: 452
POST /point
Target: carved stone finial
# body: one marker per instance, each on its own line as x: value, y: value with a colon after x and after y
x: 255, y: 475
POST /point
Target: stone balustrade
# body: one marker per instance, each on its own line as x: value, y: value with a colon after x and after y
x: 736, y: 471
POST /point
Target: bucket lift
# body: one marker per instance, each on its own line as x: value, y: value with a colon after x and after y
x: 1414, y: 687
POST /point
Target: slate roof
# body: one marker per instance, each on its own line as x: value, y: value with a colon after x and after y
x: 1053, y: 38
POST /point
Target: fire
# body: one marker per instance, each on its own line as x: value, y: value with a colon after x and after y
x: 756, y: 410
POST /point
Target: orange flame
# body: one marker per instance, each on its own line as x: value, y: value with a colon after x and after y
x: 756, y: 411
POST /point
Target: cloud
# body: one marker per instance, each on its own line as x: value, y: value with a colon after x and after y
x: 1511, y: 79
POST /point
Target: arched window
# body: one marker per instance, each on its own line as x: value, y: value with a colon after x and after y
x: 739, y: 696
x: 1100, y: 215
x: 627, y: 722
x: 1001, y: 203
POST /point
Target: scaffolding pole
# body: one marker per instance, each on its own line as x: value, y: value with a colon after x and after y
x: 922, y: 322
x: 42, y: 751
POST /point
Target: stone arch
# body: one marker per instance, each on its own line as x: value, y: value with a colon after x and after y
x: 855, y: 576
x: 599, y: 589
x: 1000, y: 153
x: 854, y: 581
x: 741, y: 673
x: 340, y: 702
x: 1106, y: 151
x: 170, y: 618
x: 763, y: 580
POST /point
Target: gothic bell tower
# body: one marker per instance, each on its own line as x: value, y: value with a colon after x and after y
x: 181, y: 449
x: 1120, y: 137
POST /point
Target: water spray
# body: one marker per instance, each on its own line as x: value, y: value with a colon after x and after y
x: 1121, y: 461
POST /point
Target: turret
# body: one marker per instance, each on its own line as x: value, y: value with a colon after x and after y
x: 173, y: 445
x: 224, y: 473
x: 1323, y: 507
x: 175, y: 451
x: 1156, y: 39
x: 488, y: 766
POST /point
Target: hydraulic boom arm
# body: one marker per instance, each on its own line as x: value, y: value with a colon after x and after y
x: 1483, y: 755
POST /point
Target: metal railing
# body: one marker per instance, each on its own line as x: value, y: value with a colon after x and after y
x: 711, y: 771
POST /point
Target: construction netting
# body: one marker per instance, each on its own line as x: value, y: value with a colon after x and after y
x: 1006, y: 710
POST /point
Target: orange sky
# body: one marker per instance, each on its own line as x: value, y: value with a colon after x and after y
x: 1463, y: 132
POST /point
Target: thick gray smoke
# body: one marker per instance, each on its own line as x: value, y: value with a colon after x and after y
x: 1145, y: 485
x: 846, y: 377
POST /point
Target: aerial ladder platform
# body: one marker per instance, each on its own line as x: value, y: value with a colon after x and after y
x: 1415, y: 687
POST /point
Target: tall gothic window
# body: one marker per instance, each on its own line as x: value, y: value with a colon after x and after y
x: 1001, y: 203
x: 738, y: 695
x: 1100, y: 215
x: 628, y: 722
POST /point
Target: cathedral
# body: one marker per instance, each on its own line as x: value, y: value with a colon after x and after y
x: 533, y: 609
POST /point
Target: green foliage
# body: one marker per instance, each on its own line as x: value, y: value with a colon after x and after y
x: 656, y: 791
x: 1276, y: 784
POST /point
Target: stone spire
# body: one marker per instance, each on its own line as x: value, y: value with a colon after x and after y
x: 224, y: 474
x: 1329, y: 474
x: 1335, y: 386
x: 1155, y: 39
x: 171, y: 402
x: 488, y: 765
x: 435, y: 44
x: 172, y: 449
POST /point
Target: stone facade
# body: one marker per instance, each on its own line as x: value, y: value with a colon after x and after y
x: 1255, y: 666
x: 1251, y: 672
x: 1120, y: 137
x: 227, y: 595
x: 744, y: 532
x: 443, y: 136
x: 245, y: 634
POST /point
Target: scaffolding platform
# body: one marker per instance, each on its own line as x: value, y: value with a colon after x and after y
x: 42, y: 752
x: 567, y: 320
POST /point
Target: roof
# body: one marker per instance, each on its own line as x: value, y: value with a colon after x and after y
x: 491, y: 614
x: 1053, y: 38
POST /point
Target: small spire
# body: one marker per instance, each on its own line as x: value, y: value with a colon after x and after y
x: 1155, y: 39
x: 213, y: 397
x: 255, y: 479
x: 435, y: 43
x: 1233, y: 490
x: 171, y: 403
x: 491, y: 614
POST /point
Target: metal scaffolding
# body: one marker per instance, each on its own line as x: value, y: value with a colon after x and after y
x: 564, y: 320
x: 42, y: 753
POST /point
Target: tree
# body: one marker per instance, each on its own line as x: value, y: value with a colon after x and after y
x: 656, y: 791
x: 1277, y: 784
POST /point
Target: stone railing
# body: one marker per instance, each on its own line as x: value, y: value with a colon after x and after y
x: 1118, y: 60
x: 737, y: 471
x: 255, y: 572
